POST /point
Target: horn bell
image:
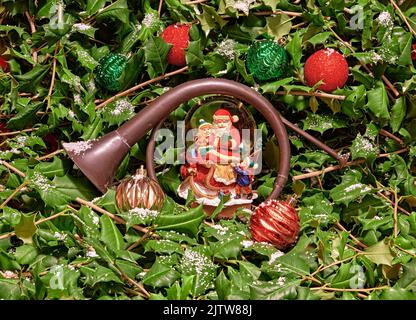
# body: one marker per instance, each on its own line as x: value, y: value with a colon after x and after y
x: 98, y: 159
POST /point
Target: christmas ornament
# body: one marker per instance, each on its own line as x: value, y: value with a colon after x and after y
x: 214, y: 166
x: 178, y: 36
x: 114, y: 146
x: 139, y: 191
x: 275, y: 222
x: 267, y: 60
x: 109, y: 74
x: 4, y: 65
x: 413, y: 53
x: 329, y: 66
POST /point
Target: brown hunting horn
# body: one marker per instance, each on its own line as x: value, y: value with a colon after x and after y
x: 99, y: 159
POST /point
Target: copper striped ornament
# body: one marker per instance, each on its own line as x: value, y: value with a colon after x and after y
x: 275, y: 222
x: 139, y: 191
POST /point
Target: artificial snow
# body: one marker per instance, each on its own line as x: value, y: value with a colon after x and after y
x: 79, y: 147
x: 226, y: 49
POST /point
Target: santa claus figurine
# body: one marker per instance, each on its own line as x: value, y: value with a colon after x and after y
x: 224, y: 141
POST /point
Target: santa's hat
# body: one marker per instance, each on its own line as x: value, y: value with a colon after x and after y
x: 222, y: 114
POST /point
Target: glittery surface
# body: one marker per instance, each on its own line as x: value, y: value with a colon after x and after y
x: 267, y: 60
x: 275, y: 222
x: 4, y: 65
x: 108, y: 73
x: 178, y: 36
x: 329, y: 66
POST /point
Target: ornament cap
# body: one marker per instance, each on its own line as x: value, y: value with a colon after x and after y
x: 142, y: 172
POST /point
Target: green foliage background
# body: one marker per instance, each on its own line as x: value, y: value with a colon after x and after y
x: 354, y: 244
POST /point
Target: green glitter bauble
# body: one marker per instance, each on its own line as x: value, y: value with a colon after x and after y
x: 109, y: 73
x: 266, y: 60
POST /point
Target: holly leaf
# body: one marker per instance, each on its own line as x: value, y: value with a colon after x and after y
x: 379, y: 253
x: 155, y: 53
x: 322, y: 123
x: 378, y: 102
x: 110, y: 234
x: 187, y: 222
x: 350, y: 188
x: 26, y: 228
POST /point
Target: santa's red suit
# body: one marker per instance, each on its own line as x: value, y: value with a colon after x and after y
x: 225, y: 141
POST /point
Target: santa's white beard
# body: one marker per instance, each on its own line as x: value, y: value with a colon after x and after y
x: 221, y: 131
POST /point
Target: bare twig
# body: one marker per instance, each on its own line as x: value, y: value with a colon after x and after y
x: 11, y: 234
x: 392, y: 203
x: 395, y: 218
x: 143, y: 291
x: 322, y: 268
x: 12, y: 168
x: 310, y: 94
x: 269, y: 13
x: 111, y: 215
x: 48, y: 98
x: 403, y: 17
x: 196, y: 1
x: 404, y: 250
x: 24, y: 184
x: 348, y: 164
x: 32, y: 25
x: 50, y: 155
x: 391, y: 136
x: 357, y: 242
x: 138, y: 242
x: 140, y: 85
x: 383, y: 77
x: 159, y: 10
x: 12, y: 133
x: 348, y: 289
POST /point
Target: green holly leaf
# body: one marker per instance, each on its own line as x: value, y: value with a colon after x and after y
x: 322, y: 123
x: 350, y: 189
x: 26, y: 228
x: 378, y: 102
x: 155, y: 53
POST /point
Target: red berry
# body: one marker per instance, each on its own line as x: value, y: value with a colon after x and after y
x: 3, y: 128
x: 4, y: 65
x: 275, y: 222
x: 178, y: 36
x: 413, y: 53
x: 327, y: 65
x: 51, y: 142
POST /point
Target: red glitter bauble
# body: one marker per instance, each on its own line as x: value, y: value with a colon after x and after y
x: 329, y: 66
x: 413, y: 53
x: 275, y: 222
x: 178, y: 36
x: 4, y: 65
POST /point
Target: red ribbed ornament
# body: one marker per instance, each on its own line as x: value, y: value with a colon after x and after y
x: 413, y: 52
x: 4, y: 64
x: 178, y: 36
x: 275, y: 222
x: 329, y: 66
